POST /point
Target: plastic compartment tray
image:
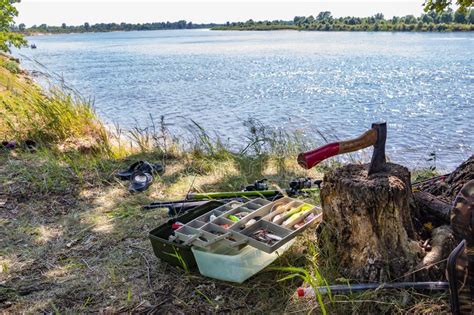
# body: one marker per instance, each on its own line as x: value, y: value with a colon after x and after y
x: 169, y: 251
x: 204, y: 232
x: 221, y: 231
x: 235, y: 265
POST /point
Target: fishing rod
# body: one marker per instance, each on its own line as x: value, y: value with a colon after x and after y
x: 333, y: 289
x: 298, y: 186
x: 231, y: 194
x: 259, y: 189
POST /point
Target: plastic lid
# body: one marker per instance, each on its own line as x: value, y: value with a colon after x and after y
x: 300, y: 292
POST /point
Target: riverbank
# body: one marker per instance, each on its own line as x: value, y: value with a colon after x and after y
x: 447, y: 21
x: 327, y: 27
x: 361, y: 28
x: 76, y: 241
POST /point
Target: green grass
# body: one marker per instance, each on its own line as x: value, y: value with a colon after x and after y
x: 10, y: 65
x: 27, y: 112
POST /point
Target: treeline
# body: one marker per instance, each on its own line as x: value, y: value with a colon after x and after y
x: 110, y: 27
x: 324, y: 21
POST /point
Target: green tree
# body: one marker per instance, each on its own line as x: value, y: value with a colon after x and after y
x: 410, y: 19
x: 440, y: 5
x: 425, y: 18
x: 7, y: 38
x: 446, y: 17
x: 298, y: 20
x: 324, y: 16
x: 459, y: 17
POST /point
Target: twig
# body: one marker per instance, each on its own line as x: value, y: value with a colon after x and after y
x: 418, y: 270
x: 148, y: 274
x: 140, y: 248
x: 87, y: 265
x: 189, y: 190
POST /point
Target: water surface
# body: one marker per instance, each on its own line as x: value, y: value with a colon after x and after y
x: 335, y: 82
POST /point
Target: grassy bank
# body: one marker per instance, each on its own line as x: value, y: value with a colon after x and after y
x: 326, y: 27
x: 73, y: 238
x: 447, y: 21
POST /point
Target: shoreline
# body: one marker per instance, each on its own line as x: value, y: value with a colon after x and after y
x: 38, y: 34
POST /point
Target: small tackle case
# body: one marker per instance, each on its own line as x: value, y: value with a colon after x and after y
x: 259, y: 223
x: 172, y: 252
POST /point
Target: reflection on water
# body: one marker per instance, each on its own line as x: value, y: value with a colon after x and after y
x: 338, y: 83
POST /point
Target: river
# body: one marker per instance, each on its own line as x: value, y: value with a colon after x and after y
x: 338, y: 83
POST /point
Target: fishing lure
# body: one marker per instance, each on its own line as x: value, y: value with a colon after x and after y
x: 308, y: 219
x: 233, y: 218
x: 250, y: 222
x: 276, y: 218
x: 263, y: 236
x: 240, y: 215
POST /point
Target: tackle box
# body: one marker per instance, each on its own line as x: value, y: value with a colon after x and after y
x: 259, y: 223
x: 230, y: 264
x: 174, y: 253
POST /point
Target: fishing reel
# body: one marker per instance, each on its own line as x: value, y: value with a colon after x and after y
x: 300, y: 183
x: 304, y: 183
x: 258, y: 185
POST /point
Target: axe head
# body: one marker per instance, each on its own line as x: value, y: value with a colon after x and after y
x: 378, y: 162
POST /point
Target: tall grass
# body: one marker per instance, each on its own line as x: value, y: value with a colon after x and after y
x: 26, y: 112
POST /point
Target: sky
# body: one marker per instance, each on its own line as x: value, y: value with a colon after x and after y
x: 76, y: 12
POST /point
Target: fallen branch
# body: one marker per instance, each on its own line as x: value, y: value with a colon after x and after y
x: 429, y: 203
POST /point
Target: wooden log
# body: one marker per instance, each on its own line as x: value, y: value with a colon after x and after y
x: 430, y: 204
x: 447, y: 188
x: 369, y: 221
x: 433, y: 265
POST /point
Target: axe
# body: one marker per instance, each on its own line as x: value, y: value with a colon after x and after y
x: 375, y: 136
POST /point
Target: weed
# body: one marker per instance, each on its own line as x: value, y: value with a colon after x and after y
x: 182, y: 262
x: 11, y: 66
x: 205, y: 296
x: 129, y: 295
x: 123, y: 212
x: 4, y: 267
x: 423, y: 174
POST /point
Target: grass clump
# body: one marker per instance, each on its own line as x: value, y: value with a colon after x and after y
x: 26, y: 112
x: 10, y: 65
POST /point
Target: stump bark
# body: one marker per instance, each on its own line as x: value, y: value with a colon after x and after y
x: 369, y: 220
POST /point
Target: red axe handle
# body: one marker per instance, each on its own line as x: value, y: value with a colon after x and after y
x: 311, y: 158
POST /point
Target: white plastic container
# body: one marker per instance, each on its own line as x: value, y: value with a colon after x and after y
x: 235, y: 265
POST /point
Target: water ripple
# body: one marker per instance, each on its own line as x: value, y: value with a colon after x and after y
x: 339, y: 83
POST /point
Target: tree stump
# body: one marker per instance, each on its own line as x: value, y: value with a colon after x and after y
x: 369, y: 220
